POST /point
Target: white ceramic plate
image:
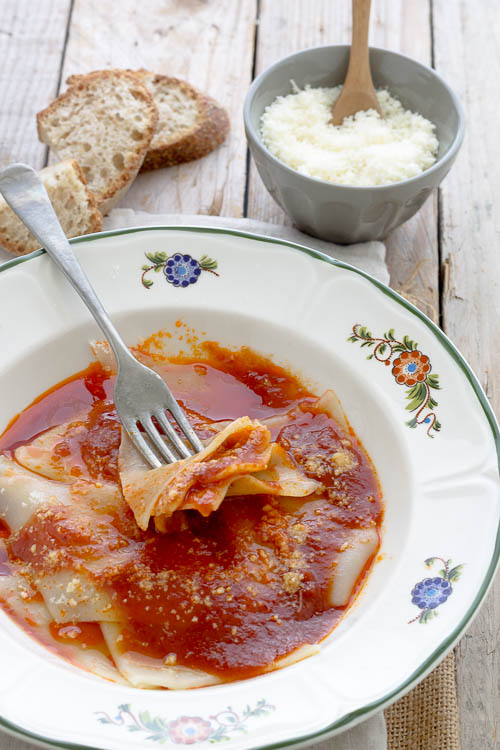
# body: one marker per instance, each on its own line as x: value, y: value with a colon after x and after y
x: 322, y: 318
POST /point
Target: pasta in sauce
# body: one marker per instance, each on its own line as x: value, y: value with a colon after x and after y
x: 211, y: 593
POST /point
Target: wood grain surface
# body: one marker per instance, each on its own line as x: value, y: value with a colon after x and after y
x: 445, y: 260
x: 467, y: 44
x: 189, y: 39
x: 31, y: 53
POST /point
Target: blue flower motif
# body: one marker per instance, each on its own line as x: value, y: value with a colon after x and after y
x: 431, y: 592
x: 182, y: 270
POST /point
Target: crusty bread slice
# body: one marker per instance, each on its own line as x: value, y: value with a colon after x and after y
x: 73, y: 202
x: 106, y: 121
x: 190, y: 124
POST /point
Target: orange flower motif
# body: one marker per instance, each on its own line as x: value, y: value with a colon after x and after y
x: 411, y: 367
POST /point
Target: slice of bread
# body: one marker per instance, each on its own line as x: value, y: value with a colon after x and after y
x: 73, y: 202
x: 190, y: 124
x: 106, y: 121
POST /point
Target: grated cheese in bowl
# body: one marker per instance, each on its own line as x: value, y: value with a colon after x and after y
x: 365, y: 150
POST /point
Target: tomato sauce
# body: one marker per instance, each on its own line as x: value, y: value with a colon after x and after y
x: 60, y: 404
x: 83, y: 634
x: 229, y: 594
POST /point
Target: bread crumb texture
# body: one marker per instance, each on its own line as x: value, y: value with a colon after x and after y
x: 190, y: 124
x: 74, y: 204
x: 106, y: 121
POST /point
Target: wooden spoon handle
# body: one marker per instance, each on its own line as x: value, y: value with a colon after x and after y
x: 358, y: 72
x: 357, y: 93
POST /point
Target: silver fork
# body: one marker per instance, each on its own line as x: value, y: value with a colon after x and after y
x: 140, y: 394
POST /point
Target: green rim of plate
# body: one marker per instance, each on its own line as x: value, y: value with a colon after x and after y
x: 354, y: 717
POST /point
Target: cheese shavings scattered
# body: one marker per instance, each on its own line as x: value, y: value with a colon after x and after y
x: 365, y: 150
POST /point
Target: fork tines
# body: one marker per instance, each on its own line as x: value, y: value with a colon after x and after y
x: 158, y: 447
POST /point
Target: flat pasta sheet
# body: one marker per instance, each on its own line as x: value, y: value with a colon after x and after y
x: 234, y: 562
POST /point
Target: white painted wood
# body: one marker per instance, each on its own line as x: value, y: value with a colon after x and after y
x: 207, y: 42
x: 210, y: 43
x: 412, y: 249
x: 467, y: 40
x: 31, y: 44
x: 287, y: 26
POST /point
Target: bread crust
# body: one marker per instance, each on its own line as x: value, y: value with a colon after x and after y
x: 209, y: 132
x: 79, y: 84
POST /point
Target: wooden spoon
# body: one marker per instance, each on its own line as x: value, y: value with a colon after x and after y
x: 357, y: 92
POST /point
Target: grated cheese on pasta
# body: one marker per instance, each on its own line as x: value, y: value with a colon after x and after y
x: 365, y: 150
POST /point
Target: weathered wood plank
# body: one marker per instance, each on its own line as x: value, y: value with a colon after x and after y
x: 412, y: 258
x: 286, y: 26
x: 467, y: 43
x: 163, y: 35
x: 412, y: 249
x: 208, y: 43
x: 31, y: 45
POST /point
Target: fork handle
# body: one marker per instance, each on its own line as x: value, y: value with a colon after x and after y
x: 25, y: 193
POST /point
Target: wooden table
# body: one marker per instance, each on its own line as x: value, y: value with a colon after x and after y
x: 445, y: 260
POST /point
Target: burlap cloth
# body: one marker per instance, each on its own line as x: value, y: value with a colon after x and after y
x: 427, y: 718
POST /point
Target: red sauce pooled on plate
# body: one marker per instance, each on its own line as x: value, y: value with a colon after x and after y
x: 231, y: 593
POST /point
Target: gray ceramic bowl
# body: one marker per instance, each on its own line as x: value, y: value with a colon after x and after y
x: 337, y: 212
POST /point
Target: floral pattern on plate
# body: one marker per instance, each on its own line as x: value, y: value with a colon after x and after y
x: 186, y: 730
x: 180, y: 269
x: 410, y: 367
x: 253, y: 266
x: 430, y: 593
